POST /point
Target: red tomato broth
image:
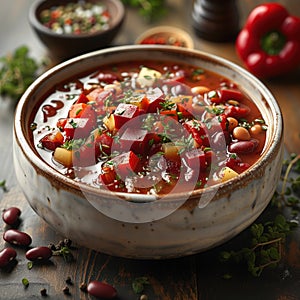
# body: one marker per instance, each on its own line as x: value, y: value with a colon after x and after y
x: 148, y: 164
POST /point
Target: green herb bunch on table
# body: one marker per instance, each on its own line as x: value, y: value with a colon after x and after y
x: 17, y: 72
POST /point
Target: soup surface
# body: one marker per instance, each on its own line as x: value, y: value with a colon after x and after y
x: 148, y: 127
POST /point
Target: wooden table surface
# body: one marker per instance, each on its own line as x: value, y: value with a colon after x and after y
x: 194, y: 277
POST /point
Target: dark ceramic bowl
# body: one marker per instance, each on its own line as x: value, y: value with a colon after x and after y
x: 65, y: 46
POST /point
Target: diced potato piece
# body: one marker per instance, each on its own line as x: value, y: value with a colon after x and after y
x: 147, y: 76
x: 109, y: 122
x: 63, y: 156
x: 171, y: 151
x: 228, y: 173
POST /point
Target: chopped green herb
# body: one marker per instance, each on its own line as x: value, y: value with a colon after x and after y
x: 3, y: 185
x: 78, y: 111
x: 73, y: 144
x: 138, y: 284
x: 25, y: 282
x: 197, y: 72
x: 29, y: 265
x: 168, y: 105
x: 73, y: 123
x: 147, y: 77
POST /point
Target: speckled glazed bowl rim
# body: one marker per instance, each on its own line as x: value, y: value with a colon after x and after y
x: 21, y: 125
x: 37, y: 5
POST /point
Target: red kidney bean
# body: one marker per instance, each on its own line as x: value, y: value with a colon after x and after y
x: 11, y: 215
x: 243, y: 147
x: 39, y: 253
x: 101, y: 290
x: 6, y: 256
x: 14, y: 236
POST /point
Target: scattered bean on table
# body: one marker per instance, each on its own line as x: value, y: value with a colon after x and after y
x: 6, y: 256
x: 39, y: 254
x: 16, y: 237
x: 11, y: 215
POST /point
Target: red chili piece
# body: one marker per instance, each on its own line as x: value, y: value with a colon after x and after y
x: 16, y: 237
x: 101, y: 290
x: 11, y: 215
x: 269, y: 43
x: 6, y: 256
x: 39, y: 254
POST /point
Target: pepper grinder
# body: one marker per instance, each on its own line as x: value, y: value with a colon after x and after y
x: 216, y: 20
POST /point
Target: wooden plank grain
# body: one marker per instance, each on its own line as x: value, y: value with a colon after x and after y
x: 169, y: 280
x: 189, y: 278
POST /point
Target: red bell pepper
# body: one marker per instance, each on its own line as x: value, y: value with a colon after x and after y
x: 269, y: 43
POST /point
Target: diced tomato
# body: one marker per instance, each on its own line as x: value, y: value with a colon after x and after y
x: 158, y: 128
x: 170, y: 113
x: 105, y: 142
x: 82, y: 98
x: 196, y: 157
x: 230, y: 94
x: 101, y: 99
x: 197, y: 129
x: 78, y: 128
x: 237, y: 112
x: 141, y: 101
x: 52, y: 140
x: 123, y: 113
x: 217, y: 123
x: 77, y: 110
x: 108, y: 175
x: 155, y: 98
x: 85, y: 155
x: 209, y: 156
x: 61, y: 123
x: 135, y: 139
x: 186, y: 107
x: 126, y: 164
x: 81, y: 110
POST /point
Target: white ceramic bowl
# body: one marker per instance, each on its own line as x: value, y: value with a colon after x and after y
x: 145, y: 228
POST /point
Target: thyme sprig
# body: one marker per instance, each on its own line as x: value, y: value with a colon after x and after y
x: 284, y: 198
x: 65, y: 252
x: 266, y: 248
x: 267, y: 239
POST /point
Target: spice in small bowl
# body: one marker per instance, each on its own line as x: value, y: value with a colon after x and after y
x: 76, y: 17
x: 166, y: 35
x: 70, y: 27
